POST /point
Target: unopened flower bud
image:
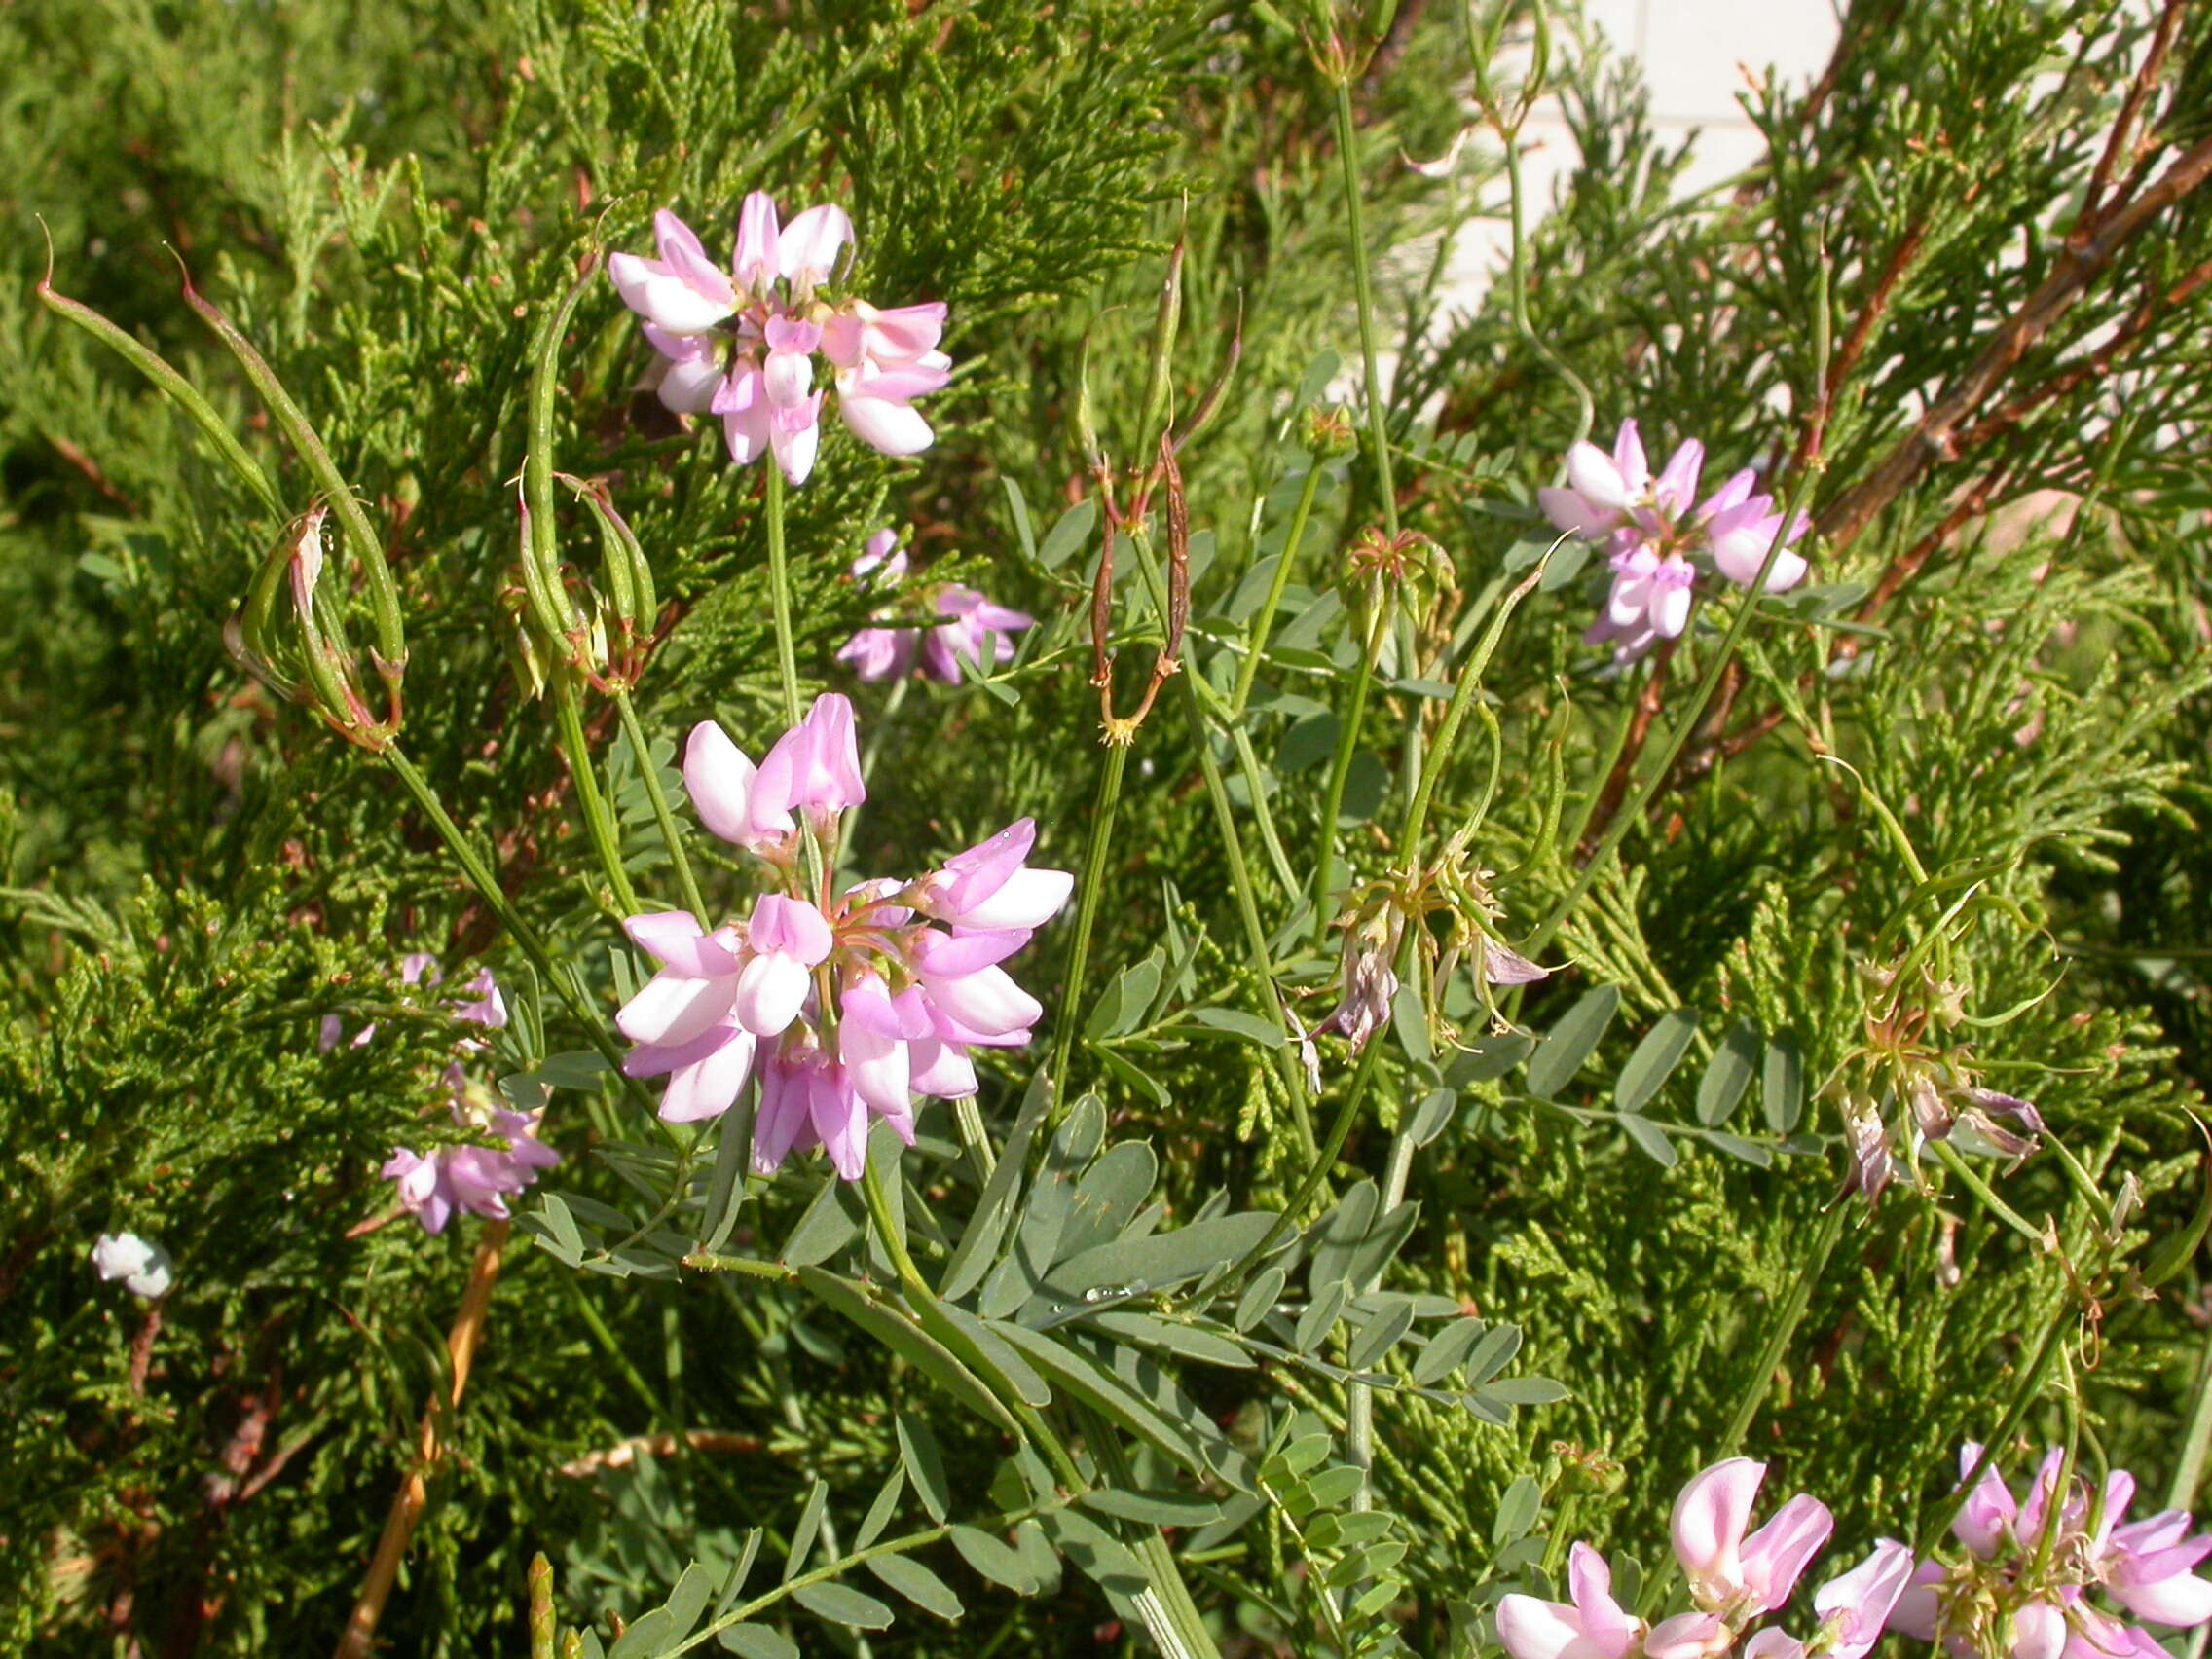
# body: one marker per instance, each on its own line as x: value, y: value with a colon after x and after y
x: 1327, y: 432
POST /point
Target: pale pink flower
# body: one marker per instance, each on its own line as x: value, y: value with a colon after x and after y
x: 1855, y: 1606
x: 785, y: 942
x: 1739, y: 527
x: 807, y: 248
x: 1649, y: 601
x: 479, y: 1179
x: 679, y: 293
x: 882, y: 562
x: 815, y: 767
x: 744, y: 350
x: 1592, y: 1626
x: 974, y: 630
x: 844, y: 1007
x: 1689, y: 1636
x: 757, y: 261
x: 1745, y: 1576
x: 990, y: 887
x: 878, y: 654
x: 2146, y: 1568
x: 877, y: 404
x: 860, y: 335
x: 1651, y: 533
x: 691, y: 372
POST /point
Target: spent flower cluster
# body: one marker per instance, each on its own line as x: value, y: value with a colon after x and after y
x: 1906, y: 1088
x: 742, y: 344
x: 844, y: 1005
x: 1653, y: 528
x: 970, y: 627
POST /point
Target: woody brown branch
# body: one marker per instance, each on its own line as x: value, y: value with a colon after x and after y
x: 1855, y: 342
x: 415, y: 1491
x: 1935, y: 435
x: 2138, y: 93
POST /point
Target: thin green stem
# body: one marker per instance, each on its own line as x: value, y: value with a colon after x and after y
x: 1086, y: 908
x: 1946, y: 1156
x: 894, y: 1236
x: 2025, y: 1393
x: 1363, y: 293
x: 1340, y: 769
x: 1787, y: 1318
x: 635, y: 731
x: 488, y: 889
x: 1339, y: 1131
x: 599, y: 822
x: 1175, y: 1620
x: 2196, y: 1438
x: 1233, y: 846
x: 1614, y: 745
x: 1630, y: 812
x: 1463, y: 693
x: 780, y: 594
x: 1256, y: 641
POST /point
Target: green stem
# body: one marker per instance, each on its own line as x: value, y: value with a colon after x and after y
x: 1363, y: 292
x: 1787, y: 1318
x: 635, y: 731
x: 1086, y: 908
x: 1340, y: 769
x: 605, y: 834
x: 496, y: 899
x: 1256, y: 642
x: 1604, y: 770
x: 1233, y: 846
x: 1174, y: 1621
x: 780, y: 592
x: 1339, y: 1131
x: 2196, y: 1437
x: 1630, y: 812
x: 2025, y: 1393
x: 1463, y: 694
x: 1988, y: 1195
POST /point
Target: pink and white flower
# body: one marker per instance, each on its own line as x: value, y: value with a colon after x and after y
x: 1592, y: 1626
x: 971, y: 628
x: 742, y: 345
x: 1732, y: 1573
x: 481, y: 1177
x: 2039, y: 1587
x: 1651, y: 534
x: 844, y: 1005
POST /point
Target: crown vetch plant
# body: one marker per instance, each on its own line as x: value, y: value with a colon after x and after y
x: 1352, y: 1123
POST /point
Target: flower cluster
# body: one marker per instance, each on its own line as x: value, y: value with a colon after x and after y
x: 1651, y: 531
x: 1735, y: 1579
x: 843, y: 1005
x: 970, y: 628
x: 2030, y: 1569
x: 475, y: 1177
x: 741, y: 344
